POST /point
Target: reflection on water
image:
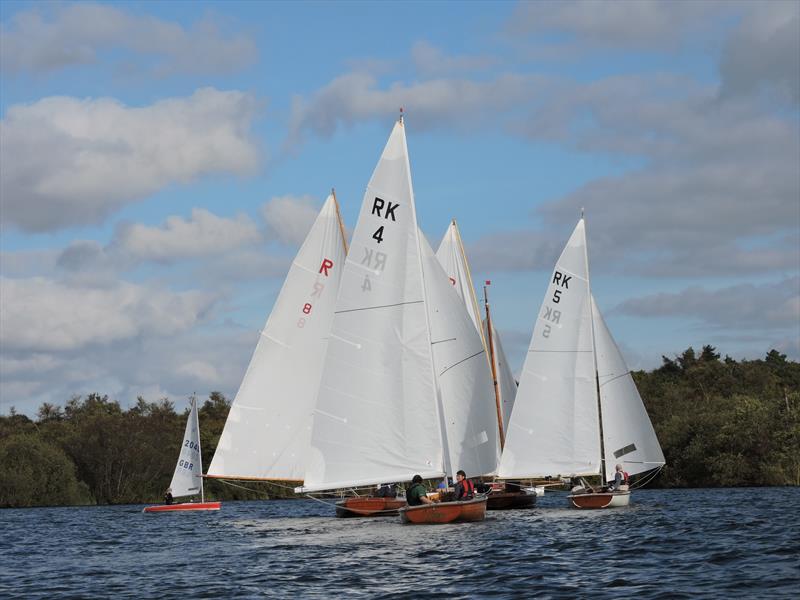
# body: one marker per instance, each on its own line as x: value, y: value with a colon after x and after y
x: 667, y: 544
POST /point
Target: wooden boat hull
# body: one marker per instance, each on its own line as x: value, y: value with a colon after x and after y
x: 445, y: 512
x: 183, y: 507
x: 369, y: 507
x: 600, y: 499
x: 510, y: 501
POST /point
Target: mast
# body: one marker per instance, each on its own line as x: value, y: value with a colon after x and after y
x: 341, y: 223
x: 199, y: 449
x: 500, y: 423
x: 594, y: 357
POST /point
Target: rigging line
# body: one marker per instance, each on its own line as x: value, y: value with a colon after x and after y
x: 338, y: 312
x: 647, y: 479
x: 614, y: 378
x: 252, y: 491
x: 263, y: 481
x: 461, y: 361
x: 340, y: 506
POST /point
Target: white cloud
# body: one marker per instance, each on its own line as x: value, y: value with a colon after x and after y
x: 76, y: 34
x: 73, y: 162
x: 770, y: 306
x: 204, y: 234
x: 764, y: 52
x: 638, y: 24
x: 40, y: 315
x: 290, y: 218
x: 430, y: 60
x: 356, y: 97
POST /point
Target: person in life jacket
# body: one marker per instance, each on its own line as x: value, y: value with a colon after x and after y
x: 620, y: 479
x: 465, y: 489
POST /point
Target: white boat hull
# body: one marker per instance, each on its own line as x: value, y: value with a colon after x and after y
x: 600, y: 499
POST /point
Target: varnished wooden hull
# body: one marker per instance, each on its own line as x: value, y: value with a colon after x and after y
x: 369, y: 507
x: 183, y: 507
x: 445, y: 512
x: 510, y: 501
x: 600, y: 500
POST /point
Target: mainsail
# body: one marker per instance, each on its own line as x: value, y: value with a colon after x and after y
x: 628, y: 435
x: 453, y: 258
x: 268, y: 429
x: 187, y: 480
x: 554, y: 429
x: 376, y: 418
x: 462, y: 375
x: 454, y: 261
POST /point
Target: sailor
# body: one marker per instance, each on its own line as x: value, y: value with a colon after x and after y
x: 417, y: 494
x: 465, y: 490
x: 620, y: 480
x: 386, y: 490
x: 168, y: 496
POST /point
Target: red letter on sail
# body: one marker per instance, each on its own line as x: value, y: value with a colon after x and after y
x: 326, y: 264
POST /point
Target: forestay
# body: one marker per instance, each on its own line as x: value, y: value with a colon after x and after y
x: 554, y: 429
x: 268, y: 429
x: 376, y: 418
x: 628, y: 435
x: 462, y: 375
x: 187, y: 479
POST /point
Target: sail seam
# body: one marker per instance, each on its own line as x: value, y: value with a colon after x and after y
x: 615, y: 378
x: 338, y: 312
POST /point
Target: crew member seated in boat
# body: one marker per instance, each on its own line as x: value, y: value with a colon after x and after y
x: 386, y: 490
x: 620, y: 480
x: 417, y: 494
x: 168, y: 496
x: 465, y: 489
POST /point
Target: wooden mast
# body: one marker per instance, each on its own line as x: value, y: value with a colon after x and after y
x: 500, y: 424
x: 341, y: 223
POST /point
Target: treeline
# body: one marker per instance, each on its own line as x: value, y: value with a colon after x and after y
x: 94, y: 452
x: 719, y: 421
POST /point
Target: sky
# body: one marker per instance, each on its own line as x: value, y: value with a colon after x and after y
x: 160, y: 164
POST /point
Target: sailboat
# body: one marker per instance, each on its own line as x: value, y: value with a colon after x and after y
x: 405, y: 385
x: 187, y: 480
x: 453, y: 258
x: 267, y: 432
x: 577, y: 411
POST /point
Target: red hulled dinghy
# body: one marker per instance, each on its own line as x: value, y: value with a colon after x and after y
x: 183, y: 507
x: 600, y: 499
x: 445, y: 512
x: 369, y: 507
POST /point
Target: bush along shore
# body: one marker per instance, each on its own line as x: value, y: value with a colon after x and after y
x: 721, y: 422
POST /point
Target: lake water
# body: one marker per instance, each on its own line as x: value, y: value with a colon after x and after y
x: 667, y: 544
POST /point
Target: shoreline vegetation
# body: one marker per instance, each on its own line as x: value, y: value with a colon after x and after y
x: 720, y: 422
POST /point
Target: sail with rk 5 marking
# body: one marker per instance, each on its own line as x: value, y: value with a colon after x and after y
x: 268, y: 429
x: 554, y: 428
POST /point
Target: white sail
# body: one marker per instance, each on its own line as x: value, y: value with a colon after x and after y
x: 376, y: 418
x: 628, y: 435
x: 454, y: 261
x: 505, y: 377
x: 268, y: 429
x: 187, y: 479
x: 554, y: 429
x: 462, y: 375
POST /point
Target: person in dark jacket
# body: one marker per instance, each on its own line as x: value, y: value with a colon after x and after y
x: 465, y: 489
x: 417, y: 494
x: 168, y: 496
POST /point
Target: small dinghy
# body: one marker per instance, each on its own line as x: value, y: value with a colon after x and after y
x: 600, y: 499
x: 445, y: 512
x: 187, y: 480
x: 368, y: 506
